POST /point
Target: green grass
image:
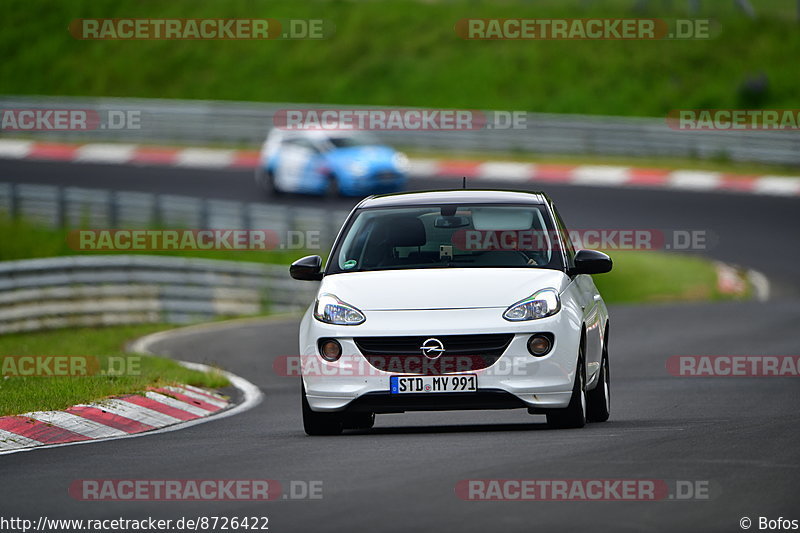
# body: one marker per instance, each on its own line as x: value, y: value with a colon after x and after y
x: 22, y: 239
x: 407, y: 53
x: 654, y: 277
x: 25, y: 394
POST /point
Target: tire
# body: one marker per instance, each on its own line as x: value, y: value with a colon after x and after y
x: 574, y: 415
x: 316, y: 424
x: 266, y: 182
x: 599, y: 399
x: 333, y: 192
x: 359, y: 421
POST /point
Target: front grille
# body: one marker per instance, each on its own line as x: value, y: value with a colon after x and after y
x: 462, y: 353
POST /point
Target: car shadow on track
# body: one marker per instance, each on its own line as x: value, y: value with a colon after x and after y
x: 466, y: 428
x: 640, y: 425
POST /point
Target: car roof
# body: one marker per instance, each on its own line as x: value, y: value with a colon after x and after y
x: 455, y: 196
x: 315, y: 133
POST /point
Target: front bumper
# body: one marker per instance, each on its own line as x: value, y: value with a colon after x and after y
x: 517, y: 379
x: 378, y: 182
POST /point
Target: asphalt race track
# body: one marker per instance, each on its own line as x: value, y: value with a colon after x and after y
x: 739, y: 435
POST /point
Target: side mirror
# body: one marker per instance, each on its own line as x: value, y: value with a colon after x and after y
x: 307, y: 269
x: 591, y: 262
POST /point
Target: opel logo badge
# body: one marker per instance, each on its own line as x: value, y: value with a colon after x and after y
x: 432, y: 348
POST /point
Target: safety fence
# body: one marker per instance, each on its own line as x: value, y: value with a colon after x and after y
x: 193, y: 122
x: 77, y: 291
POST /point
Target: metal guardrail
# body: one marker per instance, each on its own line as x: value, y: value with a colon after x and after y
x: 123, y: 289
x: 75, y: 207
x: 76, y: 291
x: 246, y: 123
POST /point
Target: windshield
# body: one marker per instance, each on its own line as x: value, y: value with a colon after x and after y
x: 349, y: 141
x: 448, y: 236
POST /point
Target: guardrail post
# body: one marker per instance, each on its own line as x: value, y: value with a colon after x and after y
x: 113, y: 210
x: 157, y: 211
x: 14, y: 208
x: 205, y: 214
x: 61, y: 207
x: 247, y: 218
x: 290, y: 219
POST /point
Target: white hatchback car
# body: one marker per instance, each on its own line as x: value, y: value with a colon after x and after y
x: 462, y: 299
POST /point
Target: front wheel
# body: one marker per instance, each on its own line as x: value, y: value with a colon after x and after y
x: 333, y: 192
x: 316, y: 424
x: 574, y: 415
x: 265, y: 180
x: 599, y: 399
x: 359, y: 421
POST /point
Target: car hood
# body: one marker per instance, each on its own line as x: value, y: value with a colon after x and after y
x: 441, y: 288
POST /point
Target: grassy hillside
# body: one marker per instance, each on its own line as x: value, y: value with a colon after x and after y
x: 407, y: 53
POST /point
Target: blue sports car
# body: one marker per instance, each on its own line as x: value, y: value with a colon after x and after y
x: 330, y: 163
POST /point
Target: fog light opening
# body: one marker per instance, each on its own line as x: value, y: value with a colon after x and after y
x: 539, y: 345
x: 330, y: 349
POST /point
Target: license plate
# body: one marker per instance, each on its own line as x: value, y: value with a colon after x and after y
x: 424, y: 384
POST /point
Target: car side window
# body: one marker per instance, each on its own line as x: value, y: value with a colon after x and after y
x: 300, y: 142
x: 569, y: 248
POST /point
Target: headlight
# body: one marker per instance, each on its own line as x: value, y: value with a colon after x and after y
x: 357, y: 168
x: 400, y: 162
x: 543, y: 303
x: 332, y: 310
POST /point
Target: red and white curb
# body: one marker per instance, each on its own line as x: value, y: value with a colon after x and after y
x: 114, y: 417
x: 505, y: 171
x: 608, y: 176
x: 124, y: 154
x: 734, y: 280
x: 158, y: 410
